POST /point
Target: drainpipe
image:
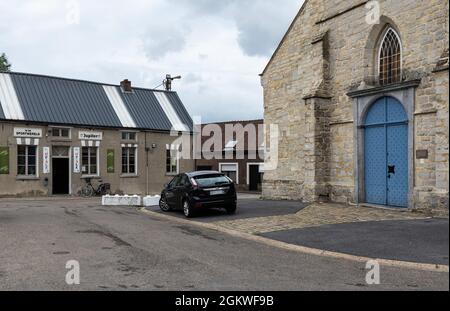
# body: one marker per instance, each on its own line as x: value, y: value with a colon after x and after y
x: 146, y: 165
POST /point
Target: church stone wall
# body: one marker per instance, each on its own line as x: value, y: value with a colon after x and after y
x: 330, y: 50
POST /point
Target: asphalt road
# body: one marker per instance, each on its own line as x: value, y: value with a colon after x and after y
x: 422, y: 241
x: 247, y: 208
x: 122, y: 249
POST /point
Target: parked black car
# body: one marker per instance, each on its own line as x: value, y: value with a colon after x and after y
x: 195, y: 191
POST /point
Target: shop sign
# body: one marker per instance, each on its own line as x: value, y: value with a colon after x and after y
x: 27, y: 132
x: 90, y: 135
x: 76, y: 160
x: 4, y: 160
x: 110, y: 161
x: 46, y: 160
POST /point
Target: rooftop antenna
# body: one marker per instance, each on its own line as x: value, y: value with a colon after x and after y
x: 168, y: 82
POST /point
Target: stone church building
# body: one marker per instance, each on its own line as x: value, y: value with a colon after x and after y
x: 362, y: 107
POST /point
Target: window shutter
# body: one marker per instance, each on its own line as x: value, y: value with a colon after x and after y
x: 4, y: 160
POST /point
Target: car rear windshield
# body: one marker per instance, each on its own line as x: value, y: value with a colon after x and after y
x: 212, y: 180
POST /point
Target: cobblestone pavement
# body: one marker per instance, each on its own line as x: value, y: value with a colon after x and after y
x: 316, y: 215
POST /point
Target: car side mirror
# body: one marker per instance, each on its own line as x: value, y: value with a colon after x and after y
x: 166, y: 186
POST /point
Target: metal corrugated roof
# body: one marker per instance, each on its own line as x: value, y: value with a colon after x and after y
x: 2, y: 115
x: 180, y: 109
x: 54, y: 100
x: 146, y: 110
x: 8, y: 99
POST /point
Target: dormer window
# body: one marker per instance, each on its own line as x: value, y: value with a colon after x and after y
x: 390, y: 58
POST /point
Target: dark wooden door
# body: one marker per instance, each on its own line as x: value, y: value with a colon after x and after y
x: 255, y: 178
x: 60, y: 175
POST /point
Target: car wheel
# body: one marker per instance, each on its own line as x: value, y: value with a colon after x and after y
x: 187, y: 210
x: 164, y: 206
x: 231, y: 210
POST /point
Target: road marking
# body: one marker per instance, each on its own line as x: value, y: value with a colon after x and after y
x: 303, y: 249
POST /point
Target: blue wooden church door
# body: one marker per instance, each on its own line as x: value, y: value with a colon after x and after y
x: 386, y: 153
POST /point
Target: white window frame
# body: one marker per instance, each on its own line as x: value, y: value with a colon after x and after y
x: 237, y: 169
x: 51, y: 128
x: 26, y: 161
x: 129, y: 132
x: 178, y: 163
x: 248, y: 170
x: 128, y: 165
x: 380, y: 45
x: 98, y: 163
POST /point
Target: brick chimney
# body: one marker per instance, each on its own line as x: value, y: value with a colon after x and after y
x: 126, y: 85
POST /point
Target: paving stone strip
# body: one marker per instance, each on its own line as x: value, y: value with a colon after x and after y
x: 316, y: 215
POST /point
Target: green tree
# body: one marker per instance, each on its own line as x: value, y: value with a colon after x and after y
x: 4, y: 63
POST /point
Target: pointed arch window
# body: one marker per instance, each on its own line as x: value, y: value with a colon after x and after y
x: 390, y: 58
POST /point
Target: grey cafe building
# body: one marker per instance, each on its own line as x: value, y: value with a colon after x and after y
x: 56, y: 133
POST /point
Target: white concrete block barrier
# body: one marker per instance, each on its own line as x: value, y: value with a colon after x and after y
x: 152, y: 200
x: 124, y: 200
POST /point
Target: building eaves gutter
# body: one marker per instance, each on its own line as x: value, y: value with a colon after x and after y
x: 84, y: 126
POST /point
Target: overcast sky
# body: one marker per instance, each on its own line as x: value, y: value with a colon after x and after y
x: 218, y: 46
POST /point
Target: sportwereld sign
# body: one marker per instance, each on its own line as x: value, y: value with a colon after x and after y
x: 90, y: 135
x: 27, y: 132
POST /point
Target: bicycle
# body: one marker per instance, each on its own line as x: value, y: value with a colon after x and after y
x: 89, y: 191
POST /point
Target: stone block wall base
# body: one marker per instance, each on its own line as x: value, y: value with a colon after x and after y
x: 342, y: 194
x: 29, y: 194
x: 283, y: 190
x: 431, y: 199
x: 308, y: 193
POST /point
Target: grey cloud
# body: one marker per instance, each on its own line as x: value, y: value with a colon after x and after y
x: 192, y: 78
x: 115, y: 42
x: 205, y: 6
x: 261, y: 23
x: 161, y: 41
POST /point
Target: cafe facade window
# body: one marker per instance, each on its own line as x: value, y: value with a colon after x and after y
x: 89, y: 161
x: 27, y: 161
x: 172, y: 160
x: 129, y: 160
x: 129, y: 136
x: 58, y: 132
